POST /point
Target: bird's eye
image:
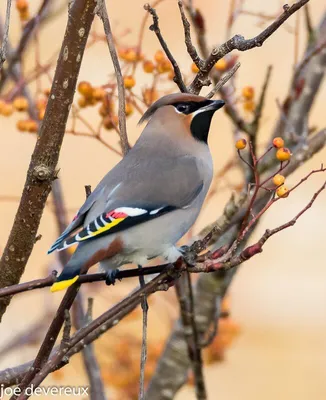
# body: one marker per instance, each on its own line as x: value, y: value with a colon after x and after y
x: 182, y: 108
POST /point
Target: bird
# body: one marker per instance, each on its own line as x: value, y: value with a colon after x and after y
x: 151, y: 198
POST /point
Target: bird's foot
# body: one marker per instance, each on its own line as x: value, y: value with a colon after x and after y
x: 111, y: 277
x: 188, y: 255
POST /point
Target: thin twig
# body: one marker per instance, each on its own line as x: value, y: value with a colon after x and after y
x: 190, y: 47
x: 225, y: 78
x: 103, y: 14
x: 156, y: 29
x: 143, y: 356
x: 5, y: 39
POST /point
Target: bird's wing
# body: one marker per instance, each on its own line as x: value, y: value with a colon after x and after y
x: 159, y: 187
x: 78, y: 219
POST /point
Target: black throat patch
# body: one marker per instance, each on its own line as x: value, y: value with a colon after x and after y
x: 200, y: 125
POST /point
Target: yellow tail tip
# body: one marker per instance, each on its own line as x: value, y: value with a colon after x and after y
x: 63, y: 284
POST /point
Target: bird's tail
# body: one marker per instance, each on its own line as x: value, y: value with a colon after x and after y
x: 68, y: 276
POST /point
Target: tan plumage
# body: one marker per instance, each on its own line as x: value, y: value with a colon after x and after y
x: 150, y: 199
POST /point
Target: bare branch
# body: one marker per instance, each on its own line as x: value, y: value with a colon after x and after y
x: 156, y: 29
x: 187, y: 313
x: 5, y: 39
x: 143, y: 356
x: 103, y: 14
x: 238, y: 42
x: 225, y: 78
x: 190, y: 47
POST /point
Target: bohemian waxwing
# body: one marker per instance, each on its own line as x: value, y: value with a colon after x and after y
x: 151, y: 198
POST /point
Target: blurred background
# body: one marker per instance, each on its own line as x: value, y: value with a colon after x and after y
x: 276, y: 346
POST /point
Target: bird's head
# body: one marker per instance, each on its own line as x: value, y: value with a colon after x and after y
x: 195, y: 112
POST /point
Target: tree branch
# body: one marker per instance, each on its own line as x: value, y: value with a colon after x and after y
x: 156, y: 29
x: 238, y: 42
x: 41, y: 171
x: 5, y: 39
x: 103, y: 14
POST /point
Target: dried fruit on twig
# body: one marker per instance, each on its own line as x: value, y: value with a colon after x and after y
x: 164, y: 66
x: 278, y: 179
x: 278, y: 142
x: 149, y: 96
x: 20, y: 103
x: 282, y: 191
x: 22, y: 5
x: 41, y: 114
x: 129, y: 81
x: 159, y: 56
x: 31, y: 125
x: 221, y: 65
x: 248, y: 92
x: 111, y: 122
x: 148, y: 66
x: 6, y: 109
x: 129, y: 108
x: 194, y: 68
x: 241, y: 144
x: 283, y: 154
x: 21, y: 126
x: 249, y: 105
x: 85, y: 88
x: 82, y: 102
x: 98, y: 93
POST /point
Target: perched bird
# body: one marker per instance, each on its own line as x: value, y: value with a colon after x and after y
x: 151, y: 198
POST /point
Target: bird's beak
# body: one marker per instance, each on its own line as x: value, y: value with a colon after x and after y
x: 214, y: 105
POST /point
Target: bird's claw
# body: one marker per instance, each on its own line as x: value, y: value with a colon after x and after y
x: 188, y: 255
x: 111, y: 277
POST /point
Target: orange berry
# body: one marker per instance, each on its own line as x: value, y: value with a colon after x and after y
x: 122, y: 52
x: 130, y: 55
x: 150, y: 95
x: 159, y: 68
x: 129, y: 109
x: 221, y: 65
x: 241, y: 144
x: 159, y: 56
x: 148, y: 66
x: 283, y: 154
x: 85, y: 88
x: 82, y: 102
x: 41, y: 114
x: 278, y: 180
x: 166, y: 65
x: 21, y: 125
x: 31, y: 125
x: 278, y: 142
x: 24, y: 15
x: 107, y: 107
x: 194, y: 68
x: 282, y: 191
x: 20, y: 103
x: 41, y: 103
x: 129, y: 82
x: 249, y: 105
x: 110, y: 122
x: 99, y: 93
x: 22, y: 5
x: 7, y: 109
x: 2, y: 104
x: 171, y: 75
x: 248, y: 92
